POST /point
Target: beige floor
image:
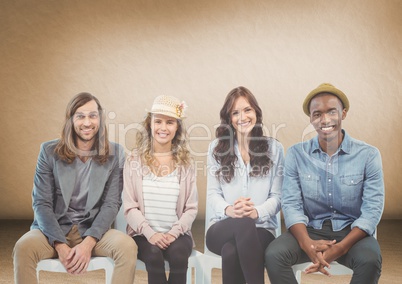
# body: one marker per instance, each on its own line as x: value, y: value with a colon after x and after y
x: 389, y: 236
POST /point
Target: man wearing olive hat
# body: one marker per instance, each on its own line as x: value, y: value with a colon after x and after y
x: 332, y: 198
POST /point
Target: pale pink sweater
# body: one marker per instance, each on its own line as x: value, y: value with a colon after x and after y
x: 133, y: 202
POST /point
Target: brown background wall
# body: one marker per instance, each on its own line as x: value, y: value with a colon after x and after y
x: 128, y: 52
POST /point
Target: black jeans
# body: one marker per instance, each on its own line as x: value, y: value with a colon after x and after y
x: 242, y: 247
x: 364, y: 258
x: 176, y: 254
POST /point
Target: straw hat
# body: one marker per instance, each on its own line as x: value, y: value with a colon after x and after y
x: 170, y: 106
x: 325, y: 88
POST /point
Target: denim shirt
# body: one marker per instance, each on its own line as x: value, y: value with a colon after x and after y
x: 346, y: 188
x: 264, y: 191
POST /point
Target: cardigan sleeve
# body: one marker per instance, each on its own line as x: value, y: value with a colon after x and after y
x: 187, y: 205
x: 133, y: 199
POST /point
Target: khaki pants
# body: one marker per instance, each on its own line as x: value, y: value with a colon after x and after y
x: 34, y: 246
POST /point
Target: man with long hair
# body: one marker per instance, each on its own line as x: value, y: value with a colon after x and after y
x: 76, y: 196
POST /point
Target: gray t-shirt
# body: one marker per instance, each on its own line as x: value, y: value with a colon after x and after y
x: 78, y: 201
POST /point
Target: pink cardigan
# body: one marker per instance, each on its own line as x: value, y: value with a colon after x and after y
x: 133, y: 202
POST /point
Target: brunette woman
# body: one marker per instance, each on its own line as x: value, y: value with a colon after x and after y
x: 244, y: 189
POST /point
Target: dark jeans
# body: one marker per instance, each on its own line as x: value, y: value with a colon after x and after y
x: 242, y: 247
x: 176, y: 254
x: 364, y: 258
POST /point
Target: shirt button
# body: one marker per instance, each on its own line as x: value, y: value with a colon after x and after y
x: 330, y: 194
x: 330, y: 180
x: 351, y: 181
x: 330, y: 206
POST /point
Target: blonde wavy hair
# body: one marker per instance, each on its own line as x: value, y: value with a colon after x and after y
x: 180, y: 152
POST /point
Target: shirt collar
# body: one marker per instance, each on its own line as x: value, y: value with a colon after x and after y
x: 343, y: 148
x: 315, y: 147
x: 346, y: 143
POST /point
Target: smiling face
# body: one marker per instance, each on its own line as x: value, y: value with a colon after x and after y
x: 163, y: 129
x: 86, y: 123
x: 243, y: 116
x: 326, y: 115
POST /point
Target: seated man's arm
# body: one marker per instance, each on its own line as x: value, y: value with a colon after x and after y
x: 371, y: 208
x: 43, y: 196
x: 293, y: 210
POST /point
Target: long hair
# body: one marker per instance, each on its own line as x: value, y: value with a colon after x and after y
x: 224, y: 154
x: 66, y: 148
x: 180, y: 152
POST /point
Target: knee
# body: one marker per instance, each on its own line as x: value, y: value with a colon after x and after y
x: 178, y: 256
x: 27, y: 251
x: 154, y: 258
x: 369, y: 260
x: 125, y: 247
x: 274, y: 249
x: 229, y: 252
x: 245, y: 224
x: 243, y: 227
x: 178, y: 260
x: 270, y: 254
x: 129, y: 245
x: 366, y: 254
x: 22, y: 247
x: 19, y: 247
x: 273, y: 254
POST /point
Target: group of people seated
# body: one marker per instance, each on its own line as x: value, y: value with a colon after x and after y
x: 330, y: 189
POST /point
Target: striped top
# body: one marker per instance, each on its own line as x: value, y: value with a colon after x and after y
x: 160, y: 200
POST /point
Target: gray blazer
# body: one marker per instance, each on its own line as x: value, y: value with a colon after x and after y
x: 53, y: 186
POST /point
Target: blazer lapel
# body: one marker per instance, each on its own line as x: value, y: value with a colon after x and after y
x: 67, y: 176
x: 96, y: 184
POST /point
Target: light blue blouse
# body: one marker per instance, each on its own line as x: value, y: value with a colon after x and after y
x: 264, y: 191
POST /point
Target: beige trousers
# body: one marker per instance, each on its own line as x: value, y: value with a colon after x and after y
x: 34, y: 246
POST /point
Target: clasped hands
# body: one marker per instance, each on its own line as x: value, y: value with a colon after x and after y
x: 76, y: 259
x: 322, y: 253
x: 162, y: 240
x: 242, y: 207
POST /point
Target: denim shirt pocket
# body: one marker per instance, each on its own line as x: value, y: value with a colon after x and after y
x: 310, y: 185
x: 351, y: 190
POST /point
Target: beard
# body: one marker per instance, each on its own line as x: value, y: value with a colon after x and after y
x: 82, y: 138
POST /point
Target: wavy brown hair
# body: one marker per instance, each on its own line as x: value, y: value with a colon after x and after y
x: 224, y: 154
x: 66, y: 148
x: 180, y: 152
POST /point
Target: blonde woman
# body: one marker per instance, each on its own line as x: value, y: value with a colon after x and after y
x: 160, y: 195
